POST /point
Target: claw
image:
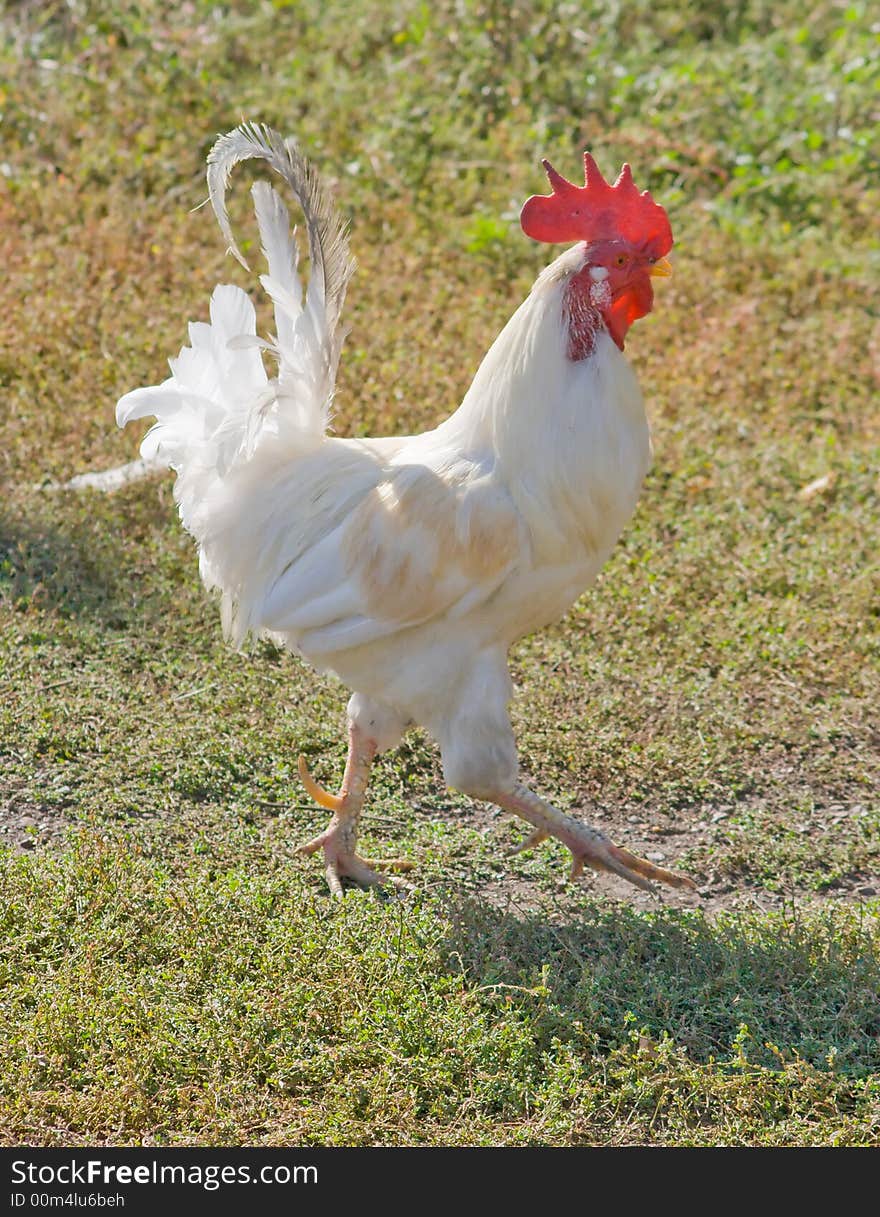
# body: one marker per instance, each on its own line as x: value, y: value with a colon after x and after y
x: 339, y: 839
x: 634, y: 869
x: 332, y: 802
x: 334, y: 882
x: 640, y: 866
x: 314, y: 845
x: 610, y: 863
x: 351, y: 866
x: 530, y: 842
x: 589, y: 846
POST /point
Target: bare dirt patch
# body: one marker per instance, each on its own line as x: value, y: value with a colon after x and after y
x: 27, y: 825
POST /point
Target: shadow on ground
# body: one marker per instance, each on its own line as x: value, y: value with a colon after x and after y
x: 72, y: 552
x: 770, y: 990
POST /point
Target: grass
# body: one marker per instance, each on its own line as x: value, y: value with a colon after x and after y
x: 171, y: 971
x: 233, y: 1007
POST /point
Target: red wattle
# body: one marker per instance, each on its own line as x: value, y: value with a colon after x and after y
x: 634, y: 302
x: 585, y: 319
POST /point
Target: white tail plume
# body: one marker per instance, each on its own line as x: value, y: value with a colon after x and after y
x: 219, y: 403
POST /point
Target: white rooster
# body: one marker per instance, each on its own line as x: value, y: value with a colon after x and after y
x: 409, y: 565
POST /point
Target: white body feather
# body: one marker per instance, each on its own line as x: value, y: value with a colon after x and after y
x: 408, y: 565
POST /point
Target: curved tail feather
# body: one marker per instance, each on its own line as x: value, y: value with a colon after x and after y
x: 332, y: 264
x: 219, y: 404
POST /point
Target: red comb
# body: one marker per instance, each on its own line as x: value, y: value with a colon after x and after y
x: 597, y: 211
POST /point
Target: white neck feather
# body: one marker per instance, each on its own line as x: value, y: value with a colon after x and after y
x: 570, y: 436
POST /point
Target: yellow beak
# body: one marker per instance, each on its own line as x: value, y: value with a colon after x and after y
x: 661, y: 269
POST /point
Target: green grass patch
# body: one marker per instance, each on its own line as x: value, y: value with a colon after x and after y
x: 171, y: 970
x: 229, y: 1006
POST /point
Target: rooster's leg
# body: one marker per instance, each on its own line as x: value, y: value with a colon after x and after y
x: 339, y: 839
x: 589, y: 846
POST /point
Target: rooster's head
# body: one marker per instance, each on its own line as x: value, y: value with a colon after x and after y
x: 626, y: 236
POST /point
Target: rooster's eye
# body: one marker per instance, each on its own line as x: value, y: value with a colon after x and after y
x: 620, y: 260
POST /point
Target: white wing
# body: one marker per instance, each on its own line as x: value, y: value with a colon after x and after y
x: 432, y: 538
